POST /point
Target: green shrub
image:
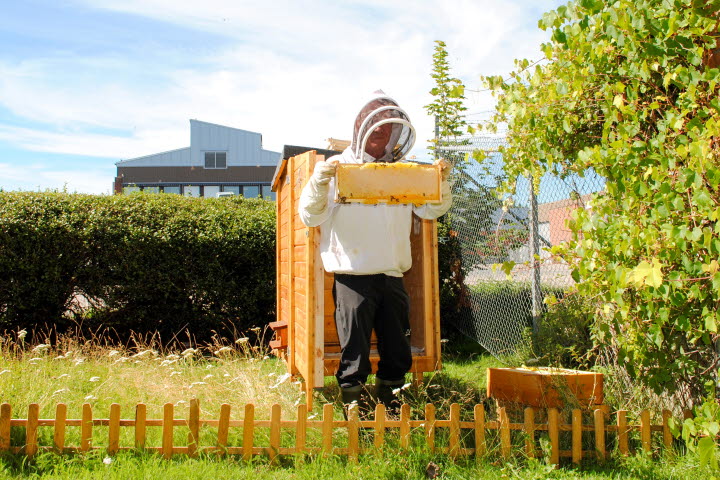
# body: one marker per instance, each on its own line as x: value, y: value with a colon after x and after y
x: 145, y: 263
x: 564, y: 337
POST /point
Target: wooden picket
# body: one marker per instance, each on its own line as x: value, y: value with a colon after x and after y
x: 459, y: 438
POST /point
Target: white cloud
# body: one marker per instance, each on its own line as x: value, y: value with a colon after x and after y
x: 294, y: 71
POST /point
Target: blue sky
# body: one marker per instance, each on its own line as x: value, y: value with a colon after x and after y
x: 85, y: 83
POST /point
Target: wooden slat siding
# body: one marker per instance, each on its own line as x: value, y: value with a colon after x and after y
x: 223, y: 428
x: 167, y: 430
x: 504, y: 433
x: 301, y: 430
x: 530, y: 432
x: 279, y: 217
x: 554, y: 434
x: 480, y: 443
x: 405, y: 426
x: 430, y: 426
x: 317, y: 304
x: 327, y: 429
x: 59, y: 433
x: 599, y: 417
x: 302, y: 286
x: 5, y: 417
x: 248, y: 431
x: 114, y: 429
x: 353, y: 427
x: 194, y: 427
x: 454, y: 444
x: 667, y: 436
x: 577, y: 436
x: 86, y: 426
x: 379, y: 426
x: 645, y: 430
x: 622, y: 431
x: 275, y: 418
x: 292, y: 321
x: 31, y: 446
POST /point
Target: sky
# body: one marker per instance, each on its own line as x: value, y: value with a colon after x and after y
x: 86, y: 83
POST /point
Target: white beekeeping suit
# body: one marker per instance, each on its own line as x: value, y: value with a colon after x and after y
x: 358, y: 238
x: 367, y: 247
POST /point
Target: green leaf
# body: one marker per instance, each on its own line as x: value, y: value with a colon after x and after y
x: 706, y: 452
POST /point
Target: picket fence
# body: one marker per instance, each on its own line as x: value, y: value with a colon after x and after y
x: 479, y: 437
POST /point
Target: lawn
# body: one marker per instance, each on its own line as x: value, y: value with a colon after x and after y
x: 74, y: 373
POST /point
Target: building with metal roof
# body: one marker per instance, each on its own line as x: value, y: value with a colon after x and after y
x: 219, y: 159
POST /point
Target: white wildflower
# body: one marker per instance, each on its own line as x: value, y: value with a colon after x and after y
x: 94, y: 379
x: 41, y: 348
x: 398, y: 390
x: 223, y: 350
x: 5, y: 371
x: 189, y: 352
x: 113, y: 353
x: 107, y: 460
x: 209, y: 366
x: 165, y: 363
x: 255, y: 329
x: 173, y: 356
x: 242, y: 340
x: 172, y: 374
x: 224, y: 375
x: 145, y: 353
x: 197, y: 383
x: 266, y: 357
x: 444, y: 340
x: 209, y: 375
x: 34, y: 360
x: 282, y: 379
x: 90, y: 398
x: 62, y: 376
x: 78, y: 361
x: 62, y: 390
x: 22, y: 334
x: 122, y: 360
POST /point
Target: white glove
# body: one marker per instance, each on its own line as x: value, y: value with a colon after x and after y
x: 445, y: 168
x: 318, y: 186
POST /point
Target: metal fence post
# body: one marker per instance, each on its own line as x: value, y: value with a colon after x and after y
x: 535, y: 258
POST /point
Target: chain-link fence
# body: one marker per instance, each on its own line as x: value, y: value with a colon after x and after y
x: 499, y: 305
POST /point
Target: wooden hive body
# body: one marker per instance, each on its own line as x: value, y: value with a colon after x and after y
x: 305, y: 333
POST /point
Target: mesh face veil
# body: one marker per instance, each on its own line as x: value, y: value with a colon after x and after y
x: 383, y: 110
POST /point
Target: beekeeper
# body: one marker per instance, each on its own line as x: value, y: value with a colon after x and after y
x: 367, y: 247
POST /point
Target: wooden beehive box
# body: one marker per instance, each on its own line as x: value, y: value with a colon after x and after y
x: 305, y: 334
x: 388, y: 183
x: 545, y: 387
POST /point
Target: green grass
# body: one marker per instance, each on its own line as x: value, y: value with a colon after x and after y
x: 76, y: 372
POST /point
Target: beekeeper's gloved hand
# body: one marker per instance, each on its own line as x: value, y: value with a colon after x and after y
x: 445, y: 168
x: 319, y: 185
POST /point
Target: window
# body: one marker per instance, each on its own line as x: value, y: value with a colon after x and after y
x: 215, y: 159
x: 191, y: 190
x: 267, y: 193
x: 151, y: 189
x: 251, y: 191
x: 175, y: 190
x: 211, y: 191
x: 231, y: 188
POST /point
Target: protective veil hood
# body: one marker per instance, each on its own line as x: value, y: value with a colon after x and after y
x: 381, y: 110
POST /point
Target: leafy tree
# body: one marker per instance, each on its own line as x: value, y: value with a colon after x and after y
x: 629, y: 88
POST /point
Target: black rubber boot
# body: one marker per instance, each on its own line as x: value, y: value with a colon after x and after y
x: 358, y: 395
x: 385, y: 391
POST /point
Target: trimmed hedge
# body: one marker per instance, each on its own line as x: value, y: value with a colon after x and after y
x: 149, y: 263
x: 144, y: 262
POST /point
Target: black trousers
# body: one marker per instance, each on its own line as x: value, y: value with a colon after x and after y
x: 364, y: 303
